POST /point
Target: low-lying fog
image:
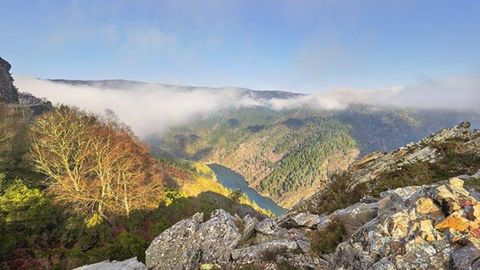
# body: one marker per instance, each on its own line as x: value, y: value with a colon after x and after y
x: 151, y: 108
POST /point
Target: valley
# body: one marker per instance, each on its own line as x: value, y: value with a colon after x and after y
x: 384, y: 212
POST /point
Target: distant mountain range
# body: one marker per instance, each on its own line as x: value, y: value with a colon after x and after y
x: 127, y: 84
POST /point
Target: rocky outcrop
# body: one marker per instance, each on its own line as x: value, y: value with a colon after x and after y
x: 8, y: 92
x: 229, y: 241
x: 423, y: 227
x: 434, y: 228
x: 192, y: 242
x: 10, y: 95
x: 37, y: 105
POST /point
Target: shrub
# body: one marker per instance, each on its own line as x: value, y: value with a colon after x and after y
x: 127, y: 245
x: 24, y: 214
x: 326, y: 241
x: 24, y: 208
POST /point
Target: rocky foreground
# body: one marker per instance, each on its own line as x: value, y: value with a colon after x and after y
x: 418, y: 227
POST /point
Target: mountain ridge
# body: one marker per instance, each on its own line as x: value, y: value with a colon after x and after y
x: 125, y: 84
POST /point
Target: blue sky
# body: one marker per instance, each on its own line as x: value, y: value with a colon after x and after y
x: 291, y: 45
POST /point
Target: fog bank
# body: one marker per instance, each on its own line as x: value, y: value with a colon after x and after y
x: 459, y: 93
x: 149, y: 108
x: 146, y: 109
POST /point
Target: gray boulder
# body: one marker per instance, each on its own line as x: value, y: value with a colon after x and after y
x: 464, y: 257
x: 268, y: 230
x: 355, y: 216
x: 249, y: 224
x: 130, y: 264
x: 189, y: 243
x: 264, y: 250
x: 170, y: 250
x: 267, y: 227
x: 306, y: 220
x: 217, y: 237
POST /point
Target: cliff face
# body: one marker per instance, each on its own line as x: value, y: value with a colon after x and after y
x: 10, y: 95
x: 8, y: 92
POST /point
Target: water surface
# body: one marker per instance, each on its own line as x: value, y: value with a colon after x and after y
x: 233, y: 180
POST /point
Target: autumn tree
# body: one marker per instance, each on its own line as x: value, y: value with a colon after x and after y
x: 94, y: 164
x: 128, y: 176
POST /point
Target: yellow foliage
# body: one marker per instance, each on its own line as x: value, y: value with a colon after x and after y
x: 201, y: 183
x: 93, y: 221
x: 202, y: 168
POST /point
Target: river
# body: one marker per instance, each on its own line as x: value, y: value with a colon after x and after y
x: 233, y: 180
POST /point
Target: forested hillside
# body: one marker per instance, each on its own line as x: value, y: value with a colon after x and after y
x: 452, y: 151
x: 288, y: 154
